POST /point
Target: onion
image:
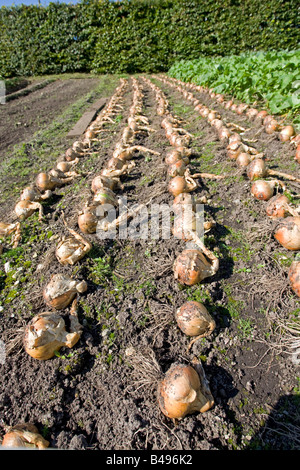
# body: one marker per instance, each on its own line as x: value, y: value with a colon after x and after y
x: 65, y: 166
x: 262, y: 189
x: 24, y: 435
x: 217, y: 123
x: 105, y: 196
x: 278, y: 206
x: 297, y: 156
x: 72, y: 249
x: 179, y: 184
x: 174, y: 155
x: 177, y: 169
x: 61, y: 290
x: 46, y: 182
x: 183, y: 201
x: 286, y: 133
x: 228, y: 104
x: 194, y: 319
x: 233, y: 150
x: 294, y: 276
x: 243, y: 159
x: 224, y: 133
x: 287, y: 233
x: 31, y: 193
x: 46, y: 333
x: 25, y: 209
x: 191, y: 267
x: 184, y: 391
x: 251, y: 113
x: 271, y: 126
x: 101, y: 182
x: 71, y: 154
x: 88, y: 220
x: 235, y: 137
x: 261, y: 115
x: 257, y: 169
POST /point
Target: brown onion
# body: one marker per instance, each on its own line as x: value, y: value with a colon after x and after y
x: 72, y: 249
x: 286, y: 133
x: 262, y: 189
x: 271, y: 126
x: 46, y: 334
x: 184, y: 391
x: 287, y: 233
x: 233, y: 150
x: 45, y: 182
x: 223, y: 133
x: 191, y: 267
x: 278, y: 206
x: 194, y: 319
x: 179, y: 184
x: 294, y: 277
x: 177, y: 169
x: 88, y: 220
x: 173, y: 157
x: 251, y: 113
x: 261, y: 115
x: 257, y: 169
x: 24, y: 435
x: 243, y: 159
x: 61, y: 290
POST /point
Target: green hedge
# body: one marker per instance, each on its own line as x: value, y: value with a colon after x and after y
x: 139, y: 36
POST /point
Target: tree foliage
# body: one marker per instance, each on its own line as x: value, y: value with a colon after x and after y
x: 139, y: 36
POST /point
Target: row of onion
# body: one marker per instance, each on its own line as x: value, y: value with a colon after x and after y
x: 183, y: 389
x: 287, y: 231
x: 284, y: 132
x: 47, y: 332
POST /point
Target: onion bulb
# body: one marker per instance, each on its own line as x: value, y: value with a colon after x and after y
x: 278, y: 207
x: 271, y: 126
x: 286, y: 133
x: 61, y: 291
x: 184, y: 391
x: 191, y: 267
x: 194, y: 320
x: 88, y: 220
x: 294, y: 276
x: 257, y: 169
x: 173, y: 156
x: 179, y: 184
x: 262, y: 189
x: 24, y: 435
x: 177, y: 169
x: 31, y: 193
x: 72, y: 249
x: 243, y: 160
x: 46, y: 333
x: 287, y: 233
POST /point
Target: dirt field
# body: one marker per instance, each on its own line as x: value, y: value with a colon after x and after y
x: 91, y: 397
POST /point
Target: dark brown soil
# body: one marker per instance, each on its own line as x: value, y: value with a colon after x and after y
x: 20, y: 118
x: 93, y: 397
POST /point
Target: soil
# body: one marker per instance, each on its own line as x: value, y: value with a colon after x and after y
x: 96, y: 397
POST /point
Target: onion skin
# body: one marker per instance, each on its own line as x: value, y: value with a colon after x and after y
x: 46, y: 333
x: 277, y: 206
x: 287, y: 233
x: 257, y: 169
x: 177, y: 186
x: 24, y: 435
x: 88, y: 220
x: 243, y: 160
x: 294, y: 277
x: 193, y: 319
x: 181, y: 393
x: 191, y: 267
x: 262, y: 190
x: 61, y: 291
x: 177, y: 169
x: 286, y: 133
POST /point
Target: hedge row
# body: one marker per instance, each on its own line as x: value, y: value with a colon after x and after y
x: 139, y: 36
